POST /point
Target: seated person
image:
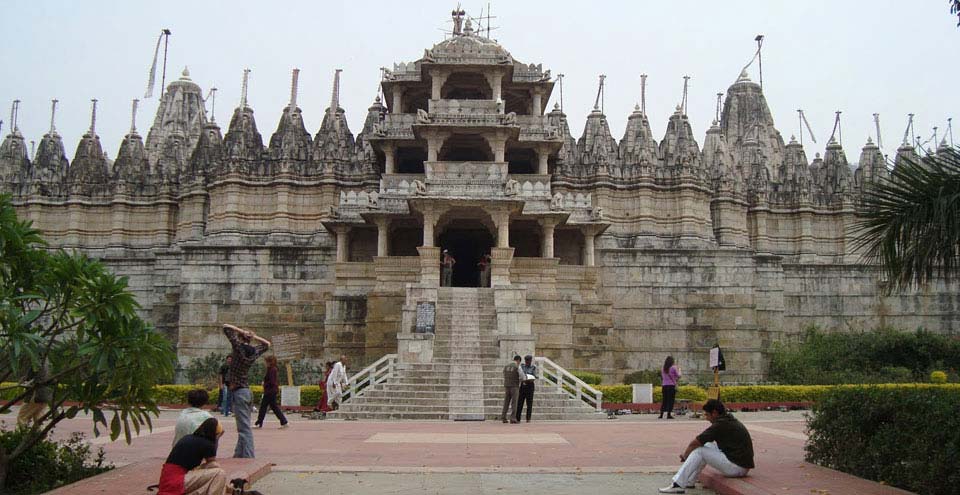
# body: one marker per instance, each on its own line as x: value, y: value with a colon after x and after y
x: 191, y: 467
x: 725, y: 445
x: 192, y: 417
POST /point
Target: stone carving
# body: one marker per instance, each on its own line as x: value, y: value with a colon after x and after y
x: 510, y: 119
x: 556, y: 202
x: 511, y: 188
x: 423, y: 117
x: 419, y: 188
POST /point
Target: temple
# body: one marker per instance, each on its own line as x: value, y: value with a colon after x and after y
x: 603, y: 255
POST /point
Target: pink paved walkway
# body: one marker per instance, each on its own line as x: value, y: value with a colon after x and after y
x: 630, y: 444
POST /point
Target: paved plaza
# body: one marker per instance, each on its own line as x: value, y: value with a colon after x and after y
x: 630, y: 454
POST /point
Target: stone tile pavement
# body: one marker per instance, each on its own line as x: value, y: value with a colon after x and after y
x: 638, y: 451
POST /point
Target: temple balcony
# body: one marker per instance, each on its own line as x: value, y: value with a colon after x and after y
x: 462, y: 107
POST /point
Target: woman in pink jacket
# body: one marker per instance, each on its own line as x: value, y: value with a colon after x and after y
x: 669, y: 376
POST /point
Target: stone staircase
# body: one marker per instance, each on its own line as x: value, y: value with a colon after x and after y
x: 464, y: 381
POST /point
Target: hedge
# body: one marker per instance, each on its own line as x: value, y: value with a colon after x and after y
x: 588, y: 377
x: 624, y: 393
x: 177, y: 394
x: 907, y: 436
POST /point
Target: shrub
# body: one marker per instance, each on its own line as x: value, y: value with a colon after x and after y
x: 642, y: 376
x: 938, y: 377
x: 906, y: 436
x: 624, y: 393
x: 879, y: 356
x: 47, y: 465
x: 588, y: 377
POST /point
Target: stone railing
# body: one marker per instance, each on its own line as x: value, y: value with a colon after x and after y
x: 363, y: 199
x: 463, y: 107
x: 403, y: 71
x: 531, y: 186
x: 556, y: 376
x: 466, y: 172
x: 537, y: 128
x: 529, y: 73
x: 400, y: 184
x: 395, y: 126
x: 377, y: 372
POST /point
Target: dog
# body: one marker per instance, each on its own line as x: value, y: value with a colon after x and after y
x: 239, y: 485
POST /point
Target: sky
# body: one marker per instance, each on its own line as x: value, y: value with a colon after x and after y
x: 890, y: 57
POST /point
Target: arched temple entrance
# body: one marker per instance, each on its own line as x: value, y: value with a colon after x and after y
x: 468, y: 240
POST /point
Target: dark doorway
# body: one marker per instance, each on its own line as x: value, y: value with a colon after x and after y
x: 467, y: 244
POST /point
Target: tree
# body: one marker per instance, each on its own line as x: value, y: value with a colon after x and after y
x: 955, y: 9
x: 910, y: 223
x: 69, y: 325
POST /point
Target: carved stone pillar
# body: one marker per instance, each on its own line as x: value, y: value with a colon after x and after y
x: 397, y: 100
x: 543, y: 157
x: 342, y: 232
x: 437, y: 78
x: 496, y: 84
x: 435, y: 141
x: 589, y: 256
x: 429, y: 266
x: 502, y: 220
x: 548, y: 225
x: 390, y: 153
x: 429, y: 221
x: 498, y: 144
x: 383, y: 229
x: 500, y: 260
x: 537, y: 103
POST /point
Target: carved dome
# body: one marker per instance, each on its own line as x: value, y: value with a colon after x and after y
x: 468, y: 48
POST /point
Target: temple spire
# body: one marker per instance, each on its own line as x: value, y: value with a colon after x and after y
x: 243, y: 88
x: 294, y: 80
x: 93, y: 117
x: 53, y: 115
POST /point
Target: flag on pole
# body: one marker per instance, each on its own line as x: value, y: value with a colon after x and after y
x: 152, y: 80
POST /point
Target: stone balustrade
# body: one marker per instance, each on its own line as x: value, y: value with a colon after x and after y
x: 462, y: 107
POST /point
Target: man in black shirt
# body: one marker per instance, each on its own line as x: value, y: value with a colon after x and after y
x: 725, y: 445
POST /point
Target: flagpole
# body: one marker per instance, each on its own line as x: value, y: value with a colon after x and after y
x: 166, y: 44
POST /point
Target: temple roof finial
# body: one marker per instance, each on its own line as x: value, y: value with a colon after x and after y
x: 335, y: 94
x: 93, y: 116
x: 457, y: 15
x: 53, y: 115
x: 294, y: 81
x: 243, y: 88
x: 133, y: 116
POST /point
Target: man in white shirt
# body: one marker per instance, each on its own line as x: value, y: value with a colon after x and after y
x: 192, y: 417
x: 337, y: 382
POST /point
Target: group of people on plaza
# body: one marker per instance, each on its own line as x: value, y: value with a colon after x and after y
x: 447, y: 262
x: 191, y: 467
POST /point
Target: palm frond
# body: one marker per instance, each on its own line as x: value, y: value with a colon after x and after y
x: 909, y: 224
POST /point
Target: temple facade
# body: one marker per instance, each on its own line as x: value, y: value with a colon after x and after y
x: 604, y: 255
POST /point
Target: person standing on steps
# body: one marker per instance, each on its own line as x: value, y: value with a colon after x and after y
x: 725, y: 446
x: 484, y: 266
x: 446, y: 269
x: 669, y: 375
x: 271, y: 392
x: 512, y: 376
x: 247, y: 347
x: 526, y: 386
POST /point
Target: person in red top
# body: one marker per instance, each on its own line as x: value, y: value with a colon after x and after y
x: 322, y: 406
x: 271, y: 392
x: 191, y: 467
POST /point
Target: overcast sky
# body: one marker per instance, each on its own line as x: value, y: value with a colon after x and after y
x: 895, y: 58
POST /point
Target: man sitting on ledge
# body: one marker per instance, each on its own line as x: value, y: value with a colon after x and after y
x: 725, y: 445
